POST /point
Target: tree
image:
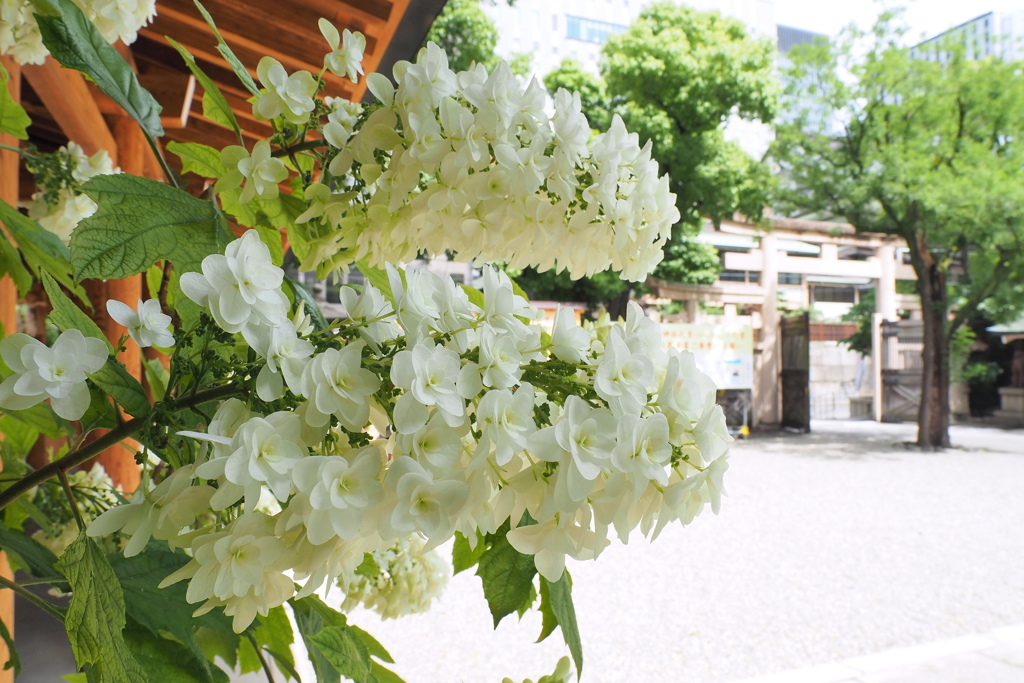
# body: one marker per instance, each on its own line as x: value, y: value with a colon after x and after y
x: 676, y: 77
x: 466, y: 34
x: 929, y: 151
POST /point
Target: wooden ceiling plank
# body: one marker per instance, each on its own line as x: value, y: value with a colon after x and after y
x: 371, y: 61
x: 65, y: 94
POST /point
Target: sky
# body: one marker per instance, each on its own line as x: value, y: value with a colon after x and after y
x: 927, y: 17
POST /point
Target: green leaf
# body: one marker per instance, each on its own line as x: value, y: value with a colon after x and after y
x: 383, y: 675
x: 372, y: 645
x: 215, y: 106
x: 200, y: 159
x: 271, y: 237
x: 165, y: 609
x: 95, y: 618
x: 115, y: 379
x: 43, y: 418
x: 13, y: 119
x: 18, y: 436
x: 42, y: 250
x: 310, y: 622
x: 32, y: 555
x: 14, y: 662
x: 507, y: 576
x: 378, y: 277
x: 474, y: 295
x: 77, y: 44
x: 556, y: 605
x: 10, y: 264
x: 345, y: 651
x: 275, y: 634
x: 223, y: 644
x: 300, y: 293
x: 368, y: 567
x: 157, y: 377
x: 232, y: 60
x: 67, y: 316
x: 100, y: 414
x: 463, y: 556
x: 167, y: 661
x: 141, y: 221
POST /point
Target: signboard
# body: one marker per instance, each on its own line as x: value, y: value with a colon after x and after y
x: 724, y: 352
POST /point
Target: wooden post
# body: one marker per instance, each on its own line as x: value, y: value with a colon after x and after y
x: 118, y: 461
x: 9, y: 163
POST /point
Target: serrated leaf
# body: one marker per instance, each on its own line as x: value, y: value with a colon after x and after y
x: 215, y: 106
x: 43, y: 418
x: 96, y: 618
x: 13, y: 119
x: 67, y: 316
x: 507, y: 576
x: 42, y: 250
x: 229, y: 56
x: 165, y: 609
x: 372, y: 645
x: 202, y: 160
x: 115, y: 379
x: 157, y: 377
x: 223, y: 644
x: 11, y: 265
x: 74, y: 42
x: 345, y: 651
x: 140, y: 221
x: 310, y: 622
x: 559, y: 604
x: 464, y: 556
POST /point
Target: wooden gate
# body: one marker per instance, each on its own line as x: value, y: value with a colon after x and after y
x: 796, y: 372
x: 902, y: 369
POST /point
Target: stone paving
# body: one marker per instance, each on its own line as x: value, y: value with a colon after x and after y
x: 834, y: 545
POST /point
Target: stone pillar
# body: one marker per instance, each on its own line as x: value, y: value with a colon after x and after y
x: 885, y: 289
x: 692, y: 310
x: 876, y: 364
x: 766, y: 394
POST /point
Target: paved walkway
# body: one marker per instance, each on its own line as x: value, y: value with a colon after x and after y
x: 831, y: 546
x: 993, y: 657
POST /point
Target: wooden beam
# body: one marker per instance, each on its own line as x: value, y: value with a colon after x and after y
x: 67, y: 97
x: 372, y: 60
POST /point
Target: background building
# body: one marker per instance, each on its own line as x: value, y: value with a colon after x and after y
x: 993, y: 34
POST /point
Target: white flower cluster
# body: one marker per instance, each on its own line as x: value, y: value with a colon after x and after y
x: 115, y: 19
x: 465, y: 161
x: 62, y: 214
x: 406, y: 581
x: 487, y: 419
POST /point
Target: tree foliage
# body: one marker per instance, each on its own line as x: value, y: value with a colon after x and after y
x: 927, y: 150
x: 466, y: 34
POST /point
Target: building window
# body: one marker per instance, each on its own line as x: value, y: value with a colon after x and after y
x: 790, y: 279
x: 554, y: 22
x: 589, y: 30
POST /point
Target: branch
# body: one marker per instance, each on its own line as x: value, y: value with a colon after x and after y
x: 980, y: 295
x: 301, y: 147
x: 111, y: 438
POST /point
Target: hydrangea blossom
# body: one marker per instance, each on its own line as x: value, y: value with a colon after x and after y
x: 60, y: 212
x: 592, y: 434
x: 57, y: 373
x: 147, y: 325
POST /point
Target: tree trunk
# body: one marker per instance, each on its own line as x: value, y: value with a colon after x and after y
x: 933, y: 417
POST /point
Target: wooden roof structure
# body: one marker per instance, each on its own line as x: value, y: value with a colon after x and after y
x: 63, y: 106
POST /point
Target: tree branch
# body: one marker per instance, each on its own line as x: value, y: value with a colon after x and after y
x: 111, y: 438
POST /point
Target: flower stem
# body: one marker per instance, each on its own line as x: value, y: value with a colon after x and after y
x: 71, y: 498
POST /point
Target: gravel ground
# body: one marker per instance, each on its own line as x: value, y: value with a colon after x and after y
x: 838, y: 543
